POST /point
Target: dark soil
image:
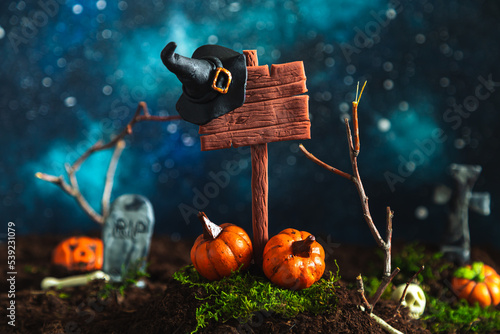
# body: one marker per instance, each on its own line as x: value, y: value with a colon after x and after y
x: 166, y: 306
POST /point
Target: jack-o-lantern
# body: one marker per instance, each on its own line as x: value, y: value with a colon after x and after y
x: 79, y: 254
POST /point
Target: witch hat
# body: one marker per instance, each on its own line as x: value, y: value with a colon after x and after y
x: 213, y: 81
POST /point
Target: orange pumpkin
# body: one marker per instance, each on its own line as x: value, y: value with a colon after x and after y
x: 220, y: 250
x: 293, y: 259
x: 477, y: 283
x: 79, y: 253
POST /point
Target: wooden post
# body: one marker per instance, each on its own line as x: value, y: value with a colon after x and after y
x: 273, y: 111
x: 259, y: 186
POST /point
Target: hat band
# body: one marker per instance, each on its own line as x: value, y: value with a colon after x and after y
x: 204, y: 99
x: 211, y: 95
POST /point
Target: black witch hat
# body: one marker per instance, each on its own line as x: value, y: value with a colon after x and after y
x: 213, y: 81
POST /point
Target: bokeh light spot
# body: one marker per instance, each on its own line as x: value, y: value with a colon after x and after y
x: 384, y: 124
x: 77, y: 9
x: 420, y: 38
x: 70, y: 101
x: 403, y: 106
x: 101, y: 4
x: 421, y: 212
x: 388, y: 84
x: 391, y: 13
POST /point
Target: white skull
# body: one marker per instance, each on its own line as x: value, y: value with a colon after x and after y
x: 414, y: 299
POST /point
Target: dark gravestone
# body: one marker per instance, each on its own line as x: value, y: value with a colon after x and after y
x: 127, y: 235
x: 456, y: 243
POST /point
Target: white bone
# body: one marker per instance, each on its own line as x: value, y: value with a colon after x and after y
x: 414, y: 299
x: 78, y: 280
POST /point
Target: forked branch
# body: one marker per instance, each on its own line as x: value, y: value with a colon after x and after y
x: 386, y: 245
x: 118, y: 143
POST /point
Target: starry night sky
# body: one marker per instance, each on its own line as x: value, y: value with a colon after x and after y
x: 74, y: 71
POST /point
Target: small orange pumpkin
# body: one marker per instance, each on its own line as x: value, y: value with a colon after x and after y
x: 477, y: 283
x: 79, y: 254
x: 220, y: 250
x: 293, y: 259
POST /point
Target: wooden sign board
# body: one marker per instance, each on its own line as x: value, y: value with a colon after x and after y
x: 272, y: 110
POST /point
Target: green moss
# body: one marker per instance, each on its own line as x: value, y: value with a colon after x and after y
x: 64, y: 295
x: 241, y: 295
x: 413, y: 256
x: 371, y: 285
x: 441, y: 317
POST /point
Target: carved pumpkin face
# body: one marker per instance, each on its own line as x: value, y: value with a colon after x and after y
x: 79, y: 254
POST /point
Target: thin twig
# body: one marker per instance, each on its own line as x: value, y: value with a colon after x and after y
x: 383, y: 285
x: 361, y: 191
x: 354, y: 146
x: 108, y: 185
x: 381, y: 322
x: 57, y: 180
x: 79, y: 197
x: 99, y: 146
x: 356, y: 127
x: 388, y: 243
x: 311, y: 157
x: 406, y: 288
x: 72, y: 188
x: 355, y: 119
x: 361, y: 291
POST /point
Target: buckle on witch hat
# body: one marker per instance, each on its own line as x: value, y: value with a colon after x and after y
x: 206, y: 78
x: 229, y: 78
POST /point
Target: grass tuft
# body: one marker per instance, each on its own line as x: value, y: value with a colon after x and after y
x: 131, y: 277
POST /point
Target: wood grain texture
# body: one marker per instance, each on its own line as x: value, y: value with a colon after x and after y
x: 275, y: 92
x: 259, y: 200
x: 261, y: 114
x: 281, y: 132
x: 280, y: 74
x: 251, y: 57
x: 272, y: 101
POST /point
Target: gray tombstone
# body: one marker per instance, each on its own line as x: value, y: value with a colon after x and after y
x: 127, y: 235
x: 456, y: 243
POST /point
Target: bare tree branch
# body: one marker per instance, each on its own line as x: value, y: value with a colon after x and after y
x: 108, y: 185
x: 79, y: 197
x: 383, y: 285
x: 73, y: 189
x: 361, y: 191
x: 361, y: 291
x: 354, y: 147
x: 324, y: 165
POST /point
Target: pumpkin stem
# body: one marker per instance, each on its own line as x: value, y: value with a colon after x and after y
x: 473, y: 272
x: 303, y: 247
x: 210, y: 230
